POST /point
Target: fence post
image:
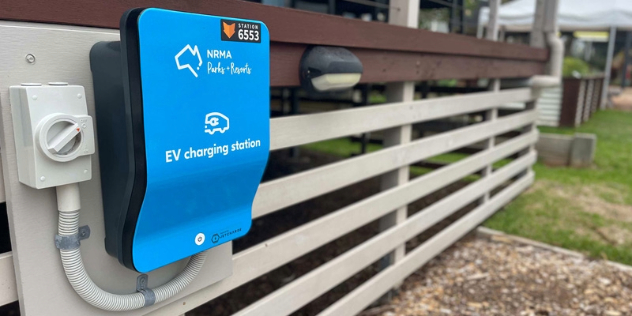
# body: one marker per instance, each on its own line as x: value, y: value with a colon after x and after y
x: 403, y: 13
x: 544, y: 21
x: 581, y: 96
x: 590, y: 86
x: 536, y: 37
x: 491, y: 114
x: 570, y: 102
x: 626, y: 58
x: 606, y: 79
x: 492, y: 23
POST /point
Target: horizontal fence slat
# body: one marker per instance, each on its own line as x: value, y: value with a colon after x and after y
x: 336, y: 224
x: 308, y: 237
x: 8, y: 289
x: 285, y: 25
x: 308, y: 287
x: 303, y: 129
x: 368, y: 292
x: 293, y: 189
x: 277, y: 251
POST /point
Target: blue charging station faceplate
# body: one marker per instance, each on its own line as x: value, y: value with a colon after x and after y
x: 198, y: 91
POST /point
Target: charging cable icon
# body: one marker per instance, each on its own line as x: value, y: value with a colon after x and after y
x: 216, y: 122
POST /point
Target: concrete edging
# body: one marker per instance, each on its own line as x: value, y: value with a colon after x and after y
x: 495, y: 235
x: 566, y: 150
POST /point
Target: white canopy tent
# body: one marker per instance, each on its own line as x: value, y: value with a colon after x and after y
x: 573, y: 15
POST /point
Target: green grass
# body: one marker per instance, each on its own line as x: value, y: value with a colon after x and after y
x: 377, y: 98
x: 342, y: 147
x: 588, y: 210
x: 613, y: 156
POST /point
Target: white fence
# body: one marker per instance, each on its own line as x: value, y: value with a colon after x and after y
x: 290, y: 190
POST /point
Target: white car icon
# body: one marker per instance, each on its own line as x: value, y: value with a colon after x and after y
x: 216, y: 122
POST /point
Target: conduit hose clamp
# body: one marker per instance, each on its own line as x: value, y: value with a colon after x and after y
x: 141, y: 287
x: 71, y: 242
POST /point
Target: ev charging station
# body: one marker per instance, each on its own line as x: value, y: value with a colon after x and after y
x: 181, y: 113
x: 190, y: 123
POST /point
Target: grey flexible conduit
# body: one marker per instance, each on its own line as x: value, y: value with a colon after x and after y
x: 93, y: 294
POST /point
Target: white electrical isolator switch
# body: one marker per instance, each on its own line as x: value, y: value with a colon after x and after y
x: 54, y: 135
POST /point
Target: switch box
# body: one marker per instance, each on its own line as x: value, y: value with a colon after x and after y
x: 54, y: 135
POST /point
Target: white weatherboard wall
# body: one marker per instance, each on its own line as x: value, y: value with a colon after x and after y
x: 549, y: 106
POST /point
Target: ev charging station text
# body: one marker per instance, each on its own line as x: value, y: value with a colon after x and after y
x: 175, y: 155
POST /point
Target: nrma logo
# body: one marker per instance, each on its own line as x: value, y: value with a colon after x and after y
x: 189, y: 58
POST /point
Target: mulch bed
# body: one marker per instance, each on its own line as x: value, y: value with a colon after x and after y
x: 479, y: 276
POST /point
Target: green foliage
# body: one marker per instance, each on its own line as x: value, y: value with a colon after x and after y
x: 377, y: 98
x: 447, y: 83
x: 572, y: 64
x: 428, y: 15
x: 342, y: 147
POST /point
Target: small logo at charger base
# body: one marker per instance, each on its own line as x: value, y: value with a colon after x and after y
x: 199, y: 239
x: 216, y: 122
x: 223, y: 234
x: 215, y: 238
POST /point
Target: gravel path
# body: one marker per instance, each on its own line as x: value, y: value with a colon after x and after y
x: 479, y: 276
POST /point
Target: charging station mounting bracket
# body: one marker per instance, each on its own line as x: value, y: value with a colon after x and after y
x: 183, y: 117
